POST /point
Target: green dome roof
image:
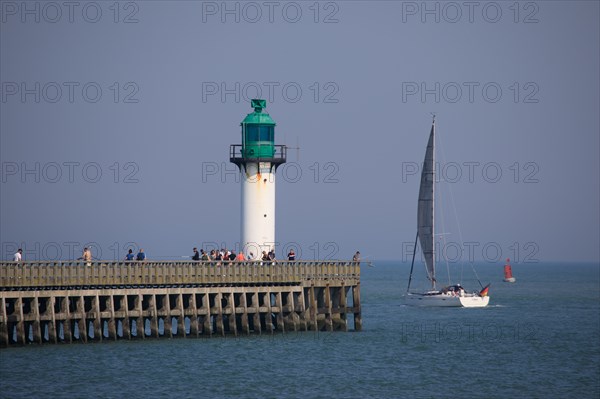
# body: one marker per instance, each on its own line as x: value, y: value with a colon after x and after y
x: 258, y: 117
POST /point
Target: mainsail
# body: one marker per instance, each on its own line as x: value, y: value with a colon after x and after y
x: 425, y: 209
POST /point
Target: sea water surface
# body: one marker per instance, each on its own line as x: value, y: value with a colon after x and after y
x: 539, y: 338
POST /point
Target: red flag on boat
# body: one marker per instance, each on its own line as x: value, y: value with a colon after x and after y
x: 484, y: 291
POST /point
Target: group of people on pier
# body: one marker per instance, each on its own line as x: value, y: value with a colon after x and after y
x: 230, y: 256
x: 224, y: 255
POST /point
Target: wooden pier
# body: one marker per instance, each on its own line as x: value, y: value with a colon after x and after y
x: 65, y: 302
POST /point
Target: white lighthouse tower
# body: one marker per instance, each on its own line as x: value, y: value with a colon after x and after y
x: 258, y: 158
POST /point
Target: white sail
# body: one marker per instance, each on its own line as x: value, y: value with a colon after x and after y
x: 425, y: 211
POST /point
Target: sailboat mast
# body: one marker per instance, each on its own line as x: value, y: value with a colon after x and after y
x: 433, y: 204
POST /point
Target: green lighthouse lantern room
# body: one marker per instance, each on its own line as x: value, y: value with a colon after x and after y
x: 258, y: 139
x: 258, y: 129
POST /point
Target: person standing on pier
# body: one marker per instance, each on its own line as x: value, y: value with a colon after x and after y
x: 291, y: 255
x: 356, y: 257
x: 196, y: 254
x: 86, y: 256
x: 129, y: 255
x: 240, y: 257
x: 141, y: 255
x: 204, y: 256
x: 18, y: 255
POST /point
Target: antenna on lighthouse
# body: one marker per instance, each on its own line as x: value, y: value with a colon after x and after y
x: 297, y: 148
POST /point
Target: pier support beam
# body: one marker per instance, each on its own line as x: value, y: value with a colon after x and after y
x: 313, y: 306
x: 4, y: 338
x: 81, y: 320
x: 20, y: 322
x: 328, y: 317
x: 342, y: 305
x: 52, y: 330
x: 97, y: 319
x: 112, y: 324
x: 256, y: 313
x: 37, y: 323
x: 140, y: 327
x: 207, y: 325
x: 356, y: 307
x: 192, y: 312
x: 219, y: 313
x: 245, y: 315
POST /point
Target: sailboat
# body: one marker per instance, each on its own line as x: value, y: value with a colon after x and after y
x: 508, y: 276
x: 451, y: 295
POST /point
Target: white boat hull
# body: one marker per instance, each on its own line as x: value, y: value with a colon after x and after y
x: 447, y: 300
x: 510, y: 280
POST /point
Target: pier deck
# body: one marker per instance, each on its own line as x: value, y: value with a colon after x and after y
x: 64, y: 302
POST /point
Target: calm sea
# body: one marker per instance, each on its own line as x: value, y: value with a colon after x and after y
x: 540, y: 338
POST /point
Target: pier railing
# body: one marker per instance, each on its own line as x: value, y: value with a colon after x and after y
x: 107, y: 274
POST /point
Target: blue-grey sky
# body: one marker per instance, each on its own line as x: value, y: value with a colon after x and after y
x: 116, y: 121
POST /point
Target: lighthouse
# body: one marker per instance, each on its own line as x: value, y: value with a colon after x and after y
x: 257, y: 159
